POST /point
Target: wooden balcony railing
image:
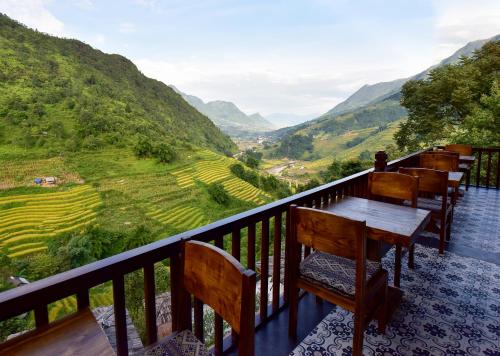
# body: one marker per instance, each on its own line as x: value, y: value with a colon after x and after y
x: 486, y: 170
x: 263, y: 220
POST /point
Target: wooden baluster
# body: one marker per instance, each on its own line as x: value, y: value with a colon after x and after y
x: 41, y: 316
x: 264, y: 269
x: 150, y: 304
x: 218, y: 327
x: 235, y: 251
x: 198, y: 320
x: 498, y: 170
x: 235, y: 244
x: 276, y: 262
x: 488, y: 169
x: 120, y: 316
x: 287, y: 253
x: 478, y: 173
x: 219, y: 335
x: 251, y: 246
x: 82, y: 299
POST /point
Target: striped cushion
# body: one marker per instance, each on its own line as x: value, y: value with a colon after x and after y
x: 335, y: 273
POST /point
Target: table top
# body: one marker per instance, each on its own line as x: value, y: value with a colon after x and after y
x: 467, y: 159
x: 454, y: 178
x: 78, y: 334
x: 387, y: 222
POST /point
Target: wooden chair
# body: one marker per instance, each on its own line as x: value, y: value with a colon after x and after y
x: 395, y: 188
x: 337, y: 270
x: 433, y: 185
x: 442, y: 161
x: 464, y: 150
x: 217, y: 279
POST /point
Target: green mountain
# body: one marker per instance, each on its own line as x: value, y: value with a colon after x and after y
x: 65, y: 95
x: 228, y: 117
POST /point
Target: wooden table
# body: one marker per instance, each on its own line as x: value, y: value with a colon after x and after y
x: 454, y: 179
x: 386, y: 223
x: 77, y: 334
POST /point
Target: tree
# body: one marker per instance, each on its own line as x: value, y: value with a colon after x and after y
x: 165, y: 153
x: 218, y: 193
x: 455, y: 103
x: 143, y: 148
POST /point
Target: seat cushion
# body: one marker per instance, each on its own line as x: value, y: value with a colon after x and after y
x: 335, y: 273
x: 434, y: 205
x: 183, y: 343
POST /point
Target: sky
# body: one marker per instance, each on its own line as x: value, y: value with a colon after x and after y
x: 300, y: 57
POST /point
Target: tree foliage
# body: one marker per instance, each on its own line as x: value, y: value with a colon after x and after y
x: 218, y: 193
x: 456, y: 103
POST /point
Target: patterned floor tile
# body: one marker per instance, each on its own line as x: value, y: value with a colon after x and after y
x: 451, y: 307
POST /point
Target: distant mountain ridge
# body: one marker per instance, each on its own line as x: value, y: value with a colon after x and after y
x: 227, y: 116
x: 368, y: 118
x: 368, y: 94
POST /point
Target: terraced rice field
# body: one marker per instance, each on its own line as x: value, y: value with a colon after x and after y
x: 27, y: 220
x: 101, y: 297
x: 215, y: 168
x: 243, y: 190
x: 181, y: 217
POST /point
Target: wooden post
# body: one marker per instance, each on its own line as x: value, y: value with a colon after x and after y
x: 380, y: 161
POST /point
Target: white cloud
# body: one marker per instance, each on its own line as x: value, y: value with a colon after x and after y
x: 33, y: 13
x: 127, y: 27
x: 265, y: 85
x: 460, y: 21
x: 84, y: 4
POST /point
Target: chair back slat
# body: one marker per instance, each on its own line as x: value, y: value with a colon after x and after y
x: 218, y: 280
x: 395, y: 186
x: 440, y: 161
x: 328, y: 232
x: 465, y: 150
x: 429, y: 180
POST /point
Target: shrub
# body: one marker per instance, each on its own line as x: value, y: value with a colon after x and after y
x: 218, y: 193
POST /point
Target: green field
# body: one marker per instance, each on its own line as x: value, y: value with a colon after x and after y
x: 120, y: 193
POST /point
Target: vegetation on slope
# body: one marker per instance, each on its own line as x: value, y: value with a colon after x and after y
x: 64, y: 95
x: 457, y: 102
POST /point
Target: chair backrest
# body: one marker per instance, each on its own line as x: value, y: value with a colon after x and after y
x: 328, y: 232
x: 429, y: 180
x: 220, y: 281
x: 465, y: 150
x: 395, y: 186
x: 440, y: 161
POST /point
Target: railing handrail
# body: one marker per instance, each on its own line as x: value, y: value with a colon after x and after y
x: 25, y: 298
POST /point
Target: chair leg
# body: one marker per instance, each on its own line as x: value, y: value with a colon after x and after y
x: 467, y: 180
x: 382, y: 321
x: 411, y: 256
x: 293, y: 311
x: 357, y: 343
x: 319, y: 300
x: 397, y: 266
x: 442, y: 236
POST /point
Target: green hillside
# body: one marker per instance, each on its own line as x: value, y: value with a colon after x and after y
x: 62, y: 94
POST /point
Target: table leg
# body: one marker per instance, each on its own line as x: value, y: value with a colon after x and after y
x: 397, y: 266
